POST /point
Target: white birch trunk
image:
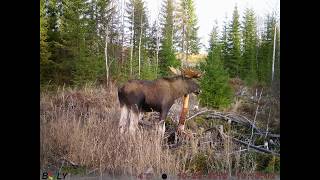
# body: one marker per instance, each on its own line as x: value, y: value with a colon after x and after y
x: 157, y: 55
x: 132, y: 33
x: 274, y: 51
x: 140, y: 45
x: 106, y: 56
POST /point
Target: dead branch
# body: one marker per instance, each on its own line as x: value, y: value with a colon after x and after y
x: 201, y: 112
x: 236, y: 118
x: 256, y: 147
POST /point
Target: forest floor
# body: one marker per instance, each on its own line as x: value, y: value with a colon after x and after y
x: 79, y: 136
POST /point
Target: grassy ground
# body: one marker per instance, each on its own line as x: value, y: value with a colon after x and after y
x: 79, y: 127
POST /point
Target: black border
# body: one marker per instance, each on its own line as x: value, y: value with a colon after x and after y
x: 20, y: 89
x: 299, y: 90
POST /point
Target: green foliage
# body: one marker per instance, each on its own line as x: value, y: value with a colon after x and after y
x: 265, y: 53
x: 73, y: 35
x: 268, y: 163
x: 45, y: 64
x: 148, y: 70
x: 167, y: 58
x: 199, y: 163
x: 216, y: 91
x: 88, y: 70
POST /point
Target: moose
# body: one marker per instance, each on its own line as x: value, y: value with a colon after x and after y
x: 138, y: 96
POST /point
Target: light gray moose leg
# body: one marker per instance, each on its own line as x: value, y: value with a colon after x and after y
x: 161, y: 128
x: 134, y: 120
x: 123, y: 123
x: 162, y: 124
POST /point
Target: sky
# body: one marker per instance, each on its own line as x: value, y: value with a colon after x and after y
x: 209, y: 11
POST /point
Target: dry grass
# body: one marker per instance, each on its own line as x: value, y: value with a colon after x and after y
x: 80, y: 125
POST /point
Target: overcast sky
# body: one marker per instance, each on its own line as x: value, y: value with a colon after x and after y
x: 208, y: 11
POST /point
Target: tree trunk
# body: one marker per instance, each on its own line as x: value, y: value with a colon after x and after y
x: 274, y: 50
x: 122, y: 31
x: 183, y: 46
x: 157, y: 57
x: 140, y: 45
x: 106, y: 56
x: 132, y: 33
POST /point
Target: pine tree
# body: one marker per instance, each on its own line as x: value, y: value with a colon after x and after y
x: 216, y: 91
x: 248, y: 68
x: 233, y: 59
x: 224, y: 44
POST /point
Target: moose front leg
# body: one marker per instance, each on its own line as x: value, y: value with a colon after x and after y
x: 184, y: 112
x: 183, y: 115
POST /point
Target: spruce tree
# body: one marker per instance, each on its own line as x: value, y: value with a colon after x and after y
x: 224, y: 44
x: 232, y: 62
x: 248, y: 68
x: 216, y: 91
x: 167, y: 55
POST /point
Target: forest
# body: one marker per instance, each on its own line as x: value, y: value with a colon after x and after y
x: 90, y: 47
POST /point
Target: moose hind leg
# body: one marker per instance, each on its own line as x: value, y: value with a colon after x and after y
x: 134, y: 120
x: 123, y: 118
x: 161, y: 128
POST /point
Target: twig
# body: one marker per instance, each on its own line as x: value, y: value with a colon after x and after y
x: 201, y: 112
x: 270, y: 135
x: 255, y: 116
x: 239, y: 151
x: 268, y: 122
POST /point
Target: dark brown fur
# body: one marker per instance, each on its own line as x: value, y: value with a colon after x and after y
x: 158, y: 95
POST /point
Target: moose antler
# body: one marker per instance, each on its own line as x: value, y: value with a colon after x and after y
x: 191, y: 73
x: 175, y: 71
x: 187, y: 72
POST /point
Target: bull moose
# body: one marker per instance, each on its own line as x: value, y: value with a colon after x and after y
x: 138, y: 96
